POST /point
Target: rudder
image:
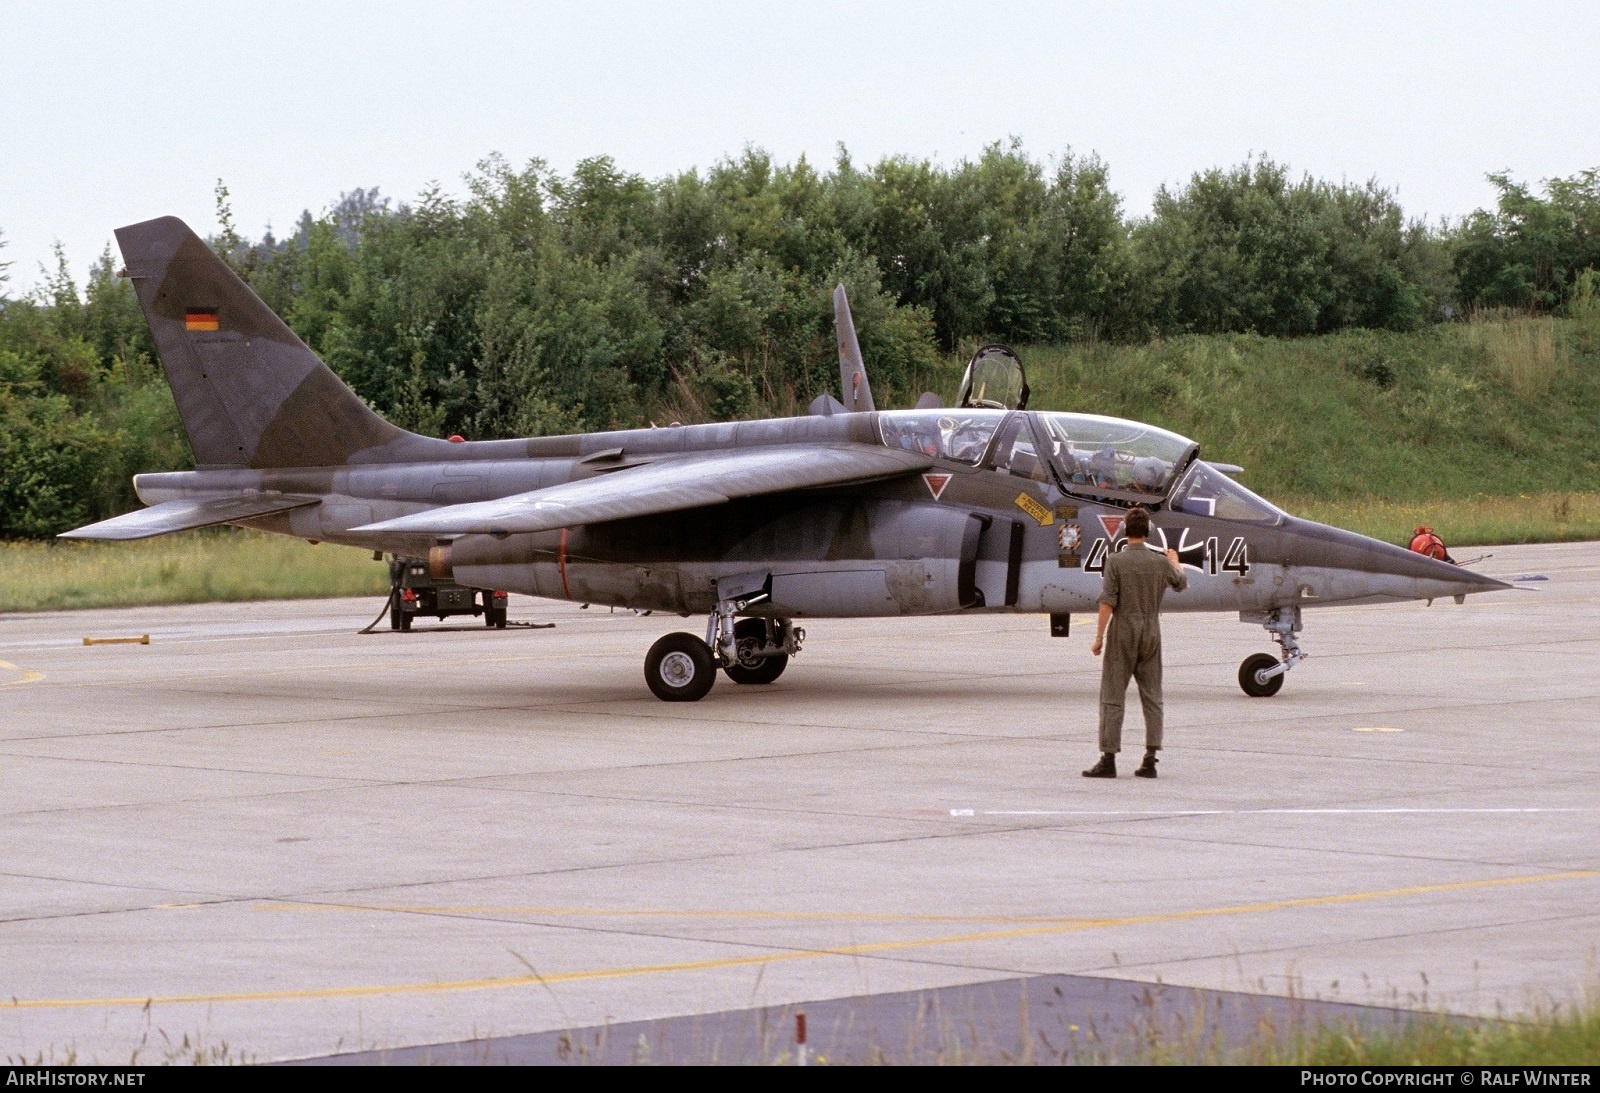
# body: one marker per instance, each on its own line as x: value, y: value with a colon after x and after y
x: 249, y: 391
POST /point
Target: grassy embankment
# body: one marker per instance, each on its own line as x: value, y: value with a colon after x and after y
x: 191, y: 567
x: 1488, y: 430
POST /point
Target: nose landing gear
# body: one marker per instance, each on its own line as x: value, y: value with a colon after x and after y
x: 1261, y: 674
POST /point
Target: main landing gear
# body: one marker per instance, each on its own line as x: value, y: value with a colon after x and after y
x: 681, y: 668
x: 1261, y: 674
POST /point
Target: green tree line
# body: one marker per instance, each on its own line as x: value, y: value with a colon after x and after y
x: 537, y: 302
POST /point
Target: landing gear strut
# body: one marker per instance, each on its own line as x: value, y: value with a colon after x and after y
x: 1261, y: 674
x: 681, y: 667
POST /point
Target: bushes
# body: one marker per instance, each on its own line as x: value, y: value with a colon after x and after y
x: 1530, y: 252
x: 541, y: 303
x: 82, y: 406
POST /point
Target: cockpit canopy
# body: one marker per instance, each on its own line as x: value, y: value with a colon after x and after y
x: 994, y: 380
x: 1112, y: 457
x: 961, y: 435
x: 1206, y: 491
x: 1092, y: 456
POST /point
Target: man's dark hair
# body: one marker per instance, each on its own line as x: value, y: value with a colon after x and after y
x: 1137, y: 524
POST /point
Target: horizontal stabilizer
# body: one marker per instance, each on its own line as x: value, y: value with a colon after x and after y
x: 667, y: 486
x: 186, y: 514
x: 826, y: 406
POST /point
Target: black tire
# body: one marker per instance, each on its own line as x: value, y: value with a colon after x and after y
x: 500, y: 618
x: 752, y: 633
x: 1253, y: 687
x: 395, y: 614
x: 680, y: 668
x: 405, y: 620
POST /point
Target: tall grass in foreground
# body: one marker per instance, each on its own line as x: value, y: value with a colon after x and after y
x: 190, y: 567
x: 1562, y: 1036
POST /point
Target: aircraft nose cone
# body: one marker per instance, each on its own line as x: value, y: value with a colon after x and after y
x: 1477, y: 582
x: 1386, y: 570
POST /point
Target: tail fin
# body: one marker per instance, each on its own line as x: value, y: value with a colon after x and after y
x: 852, y: 372
x: 249, y: 391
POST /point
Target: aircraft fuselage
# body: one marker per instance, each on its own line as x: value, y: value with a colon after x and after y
x: 958, y: 537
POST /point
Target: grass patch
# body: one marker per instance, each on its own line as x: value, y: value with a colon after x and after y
x: 189, y: 567
x: 1464, y: 521
x: 1496, y: 406
x: 1568, y: 1037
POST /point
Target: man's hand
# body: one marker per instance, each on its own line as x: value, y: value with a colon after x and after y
x: 1099, y: 643
x: 1172, y: 558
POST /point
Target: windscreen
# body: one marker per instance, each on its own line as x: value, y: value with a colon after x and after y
x: 1110, y: 456
x: 1206, y: 491
x: 961, y: 435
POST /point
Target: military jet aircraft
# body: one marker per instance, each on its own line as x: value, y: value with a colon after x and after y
x: 849, y: 511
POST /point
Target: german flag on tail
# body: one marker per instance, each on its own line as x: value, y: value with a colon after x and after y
x: 200, y: 319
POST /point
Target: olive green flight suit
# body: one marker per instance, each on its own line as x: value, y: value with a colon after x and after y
x: 1136, y: 579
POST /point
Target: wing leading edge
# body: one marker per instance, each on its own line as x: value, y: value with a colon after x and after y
x: 666, y: 486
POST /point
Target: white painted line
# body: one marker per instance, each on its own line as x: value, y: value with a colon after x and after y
x: 1263, y: 811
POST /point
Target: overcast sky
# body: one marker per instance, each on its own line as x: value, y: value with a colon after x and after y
x: 115, y: 112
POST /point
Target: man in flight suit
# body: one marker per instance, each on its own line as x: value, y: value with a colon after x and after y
x: 1136, y: 579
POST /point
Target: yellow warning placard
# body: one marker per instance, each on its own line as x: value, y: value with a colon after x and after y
x: 1035, y: 510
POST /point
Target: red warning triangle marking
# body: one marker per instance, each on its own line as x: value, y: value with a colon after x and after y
x: 1112, y: 524
x: 937, y: 483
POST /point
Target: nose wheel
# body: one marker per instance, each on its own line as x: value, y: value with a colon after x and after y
x: 1261, y: 674
x: 1251, y: 678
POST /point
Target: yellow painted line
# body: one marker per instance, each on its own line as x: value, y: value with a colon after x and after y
x: 28, y: 675
x: 456, y: 986
x: 606, y: 912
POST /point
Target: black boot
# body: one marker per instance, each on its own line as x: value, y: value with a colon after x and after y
x: 1147, y: 769
x: 1106, y: 768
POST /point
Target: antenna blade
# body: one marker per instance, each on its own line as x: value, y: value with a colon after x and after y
x: 852, y: 372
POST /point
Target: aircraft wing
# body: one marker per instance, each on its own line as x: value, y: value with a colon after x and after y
x: 665, y: 486
x: 188, y: 513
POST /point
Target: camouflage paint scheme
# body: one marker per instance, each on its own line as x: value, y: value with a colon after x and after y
x: 840, y: 523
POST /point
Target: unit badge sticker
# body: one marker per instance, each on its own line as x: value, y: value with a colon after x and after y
x: 1069, y: 540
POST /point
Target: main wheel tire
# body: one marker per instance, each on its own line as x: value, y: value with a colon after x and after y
x: 680, y: 668
x: 1255, y: 688
x: 405, y: 620
x: 395, y: 614
x: 752, y: 634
